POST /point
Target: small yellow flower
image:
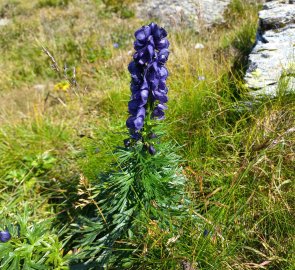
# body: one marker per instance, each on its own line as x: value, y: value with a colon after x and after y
x: 62, y: 86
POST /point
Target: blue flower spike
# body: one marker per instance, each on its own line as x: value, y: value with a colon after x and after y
x: 148, y: 80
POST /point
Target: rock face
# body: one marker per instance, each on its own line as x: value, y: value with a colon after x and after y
x: 192, y: 13
x: 273, y: 54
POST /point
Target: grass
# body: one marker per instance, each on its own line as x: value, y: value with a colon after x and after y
x: 238, y: 155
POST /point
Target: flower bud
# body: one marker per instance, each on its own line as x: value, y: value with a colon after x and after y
x: 5, y: 236
x: 152, y: 150
x: 127, y: 143
x: 152, y: 136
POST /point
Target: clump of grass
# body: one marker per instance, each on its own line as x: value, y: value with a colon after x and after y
x: 53, y: 3
x: 120, y: 7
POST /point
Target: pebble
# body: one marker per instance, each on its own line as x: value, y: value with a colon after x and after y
x: 199, y: 46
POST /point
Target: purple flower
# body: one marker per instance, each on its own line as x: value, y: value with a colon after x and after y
x: 152, y: 136
x: 150, y: 40
x: 158, y: 32
x: 143, y: 33
x: 162, y: 44
x: 135, y: 123
x: 136, y: 72
x: 163, y: 56
x: 127, y: 142
x: 135, y: 135
x: 144, y: 55
x: 152, y: 150
x: 5, y: 236
x: 158, y: 112
x: 148, y: 78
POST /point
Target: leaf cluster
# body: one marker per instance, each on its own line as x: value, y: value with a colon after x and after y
x: 32, y: 246
x: 143, y: 187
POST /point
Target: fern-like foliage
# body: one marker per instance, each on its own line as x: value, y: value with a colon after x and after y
x: 144, y: 187
x: 33, y: 246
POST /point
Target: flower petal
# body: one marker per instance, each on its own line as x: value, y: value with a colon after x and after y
x: 162, y: 44
x: 152, y: 150
x: 163, y: 56
x: 142, y: 33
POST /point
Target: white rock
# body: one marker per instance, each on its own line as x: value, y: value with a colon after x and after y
x: 274, y: 50
x: 4, y: 21
x: 199, y: 46
x: 188, y: 13
x: 39, y: 87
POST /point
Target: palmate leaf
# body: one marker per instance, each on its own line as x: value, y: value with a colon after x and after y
x: 143, y: 185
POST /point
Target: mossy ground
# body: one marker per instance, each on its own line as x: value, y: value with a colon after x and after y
x: 238, y: 154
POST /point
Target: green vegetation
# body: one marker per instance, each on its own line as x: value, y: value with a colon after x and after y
x: 59, y: 129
